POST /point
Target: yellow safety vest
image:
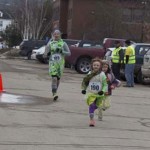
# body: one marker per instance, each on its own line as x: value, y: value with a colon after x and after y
x: 131, y: 56
x: 115, y: 55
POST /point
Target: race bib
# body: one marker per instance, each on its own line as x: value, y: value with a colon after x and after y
x: 56, y: 57
x: 95, y: 86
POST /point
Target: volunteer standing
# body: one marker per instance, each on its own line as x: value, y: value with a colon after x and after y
x: 129, y: 61
x: 117, y: 60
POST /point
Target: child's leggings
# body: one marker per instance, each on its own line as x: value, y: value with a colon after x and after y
x: 92, y: 108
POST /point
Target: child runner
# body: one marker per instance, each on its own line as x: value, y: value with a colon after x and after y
x: 112, y: 83
x: 94, y: 85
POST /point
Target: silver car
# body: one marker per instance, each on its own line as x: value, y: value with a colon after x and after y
x: 146, y: 65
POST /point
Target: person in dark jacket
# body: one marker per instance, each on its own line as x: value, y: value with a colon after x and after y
x: 117, y: 59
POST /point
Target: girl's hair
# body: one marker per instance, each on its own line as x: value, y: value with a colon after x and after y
x: 94, y: 60
x: 109, y: 70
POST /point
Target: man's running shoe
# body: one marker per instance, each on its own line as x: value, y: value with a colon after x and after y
x: 55, y: 97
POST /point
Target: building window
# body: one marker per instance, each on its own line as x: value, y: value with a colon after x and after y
x: 127, y: 15
x: 1, y: 23
x: 137, y: 15
x: 132, y: 15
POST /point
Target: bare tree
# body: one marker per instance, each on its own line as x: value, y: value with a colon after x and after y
x: 32, y: 17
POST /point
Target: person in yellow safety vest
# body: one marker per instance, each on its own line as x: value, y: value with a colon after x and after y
x: 117, y: 59
x: 129, y: 60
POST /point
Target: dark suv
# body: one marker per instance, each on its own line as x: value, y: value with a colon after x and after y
x: 27, y: 46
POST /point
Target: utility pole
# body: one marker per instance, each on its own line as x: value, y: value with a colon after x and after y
x: 26, y: 36
x: 144, y: 3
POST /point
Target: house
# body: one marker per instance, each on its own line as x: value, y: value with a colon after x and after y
x: 5, y: 20
x: 87, y: 19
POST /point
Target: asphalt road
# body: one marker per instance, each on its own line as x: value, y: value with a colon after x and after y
x: 30, y: 120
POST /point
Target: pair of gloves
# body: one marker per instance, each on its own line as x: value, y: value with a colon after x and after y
x: 59, y: 50
x: 100, y: 92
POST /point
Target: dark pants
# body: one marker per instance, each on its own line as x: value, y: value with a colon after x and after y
x: 116, y: 70
x: 92, y: 108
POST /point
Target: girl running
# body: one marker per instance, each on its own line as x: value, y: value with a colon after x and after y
x: 112, y: 83
x: 94, y: 85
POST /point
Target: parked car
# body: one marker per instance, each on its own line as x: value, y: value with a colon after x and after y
x: 27, y: 46
x: 36, y: 52
x: 140, y: 50
x: 40, y: 52
x: 145, y: 70
x: 40, y: 55
x: 81, y: 56
x: 110, y: 42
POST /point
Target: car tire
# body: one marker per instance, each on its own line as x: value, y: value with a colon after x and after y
x: 83, y: 65
x: 46, y: 60
x: 29, y: 55
x: 122, y: 74
x: 140, y: 78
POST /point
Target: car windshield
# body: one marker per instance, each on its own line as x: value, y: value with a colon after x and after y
x: 142, y: 49
x: 148, y: 52
x: 87, y: 45
x: 22, y: 43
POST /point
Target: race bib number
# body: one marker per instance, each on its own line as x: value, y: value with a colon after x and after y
x: 56, y: 57
x: 95, y: 86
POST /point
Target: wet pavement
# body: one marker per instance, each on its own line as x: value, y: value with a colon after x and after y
x: 7, y: 98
